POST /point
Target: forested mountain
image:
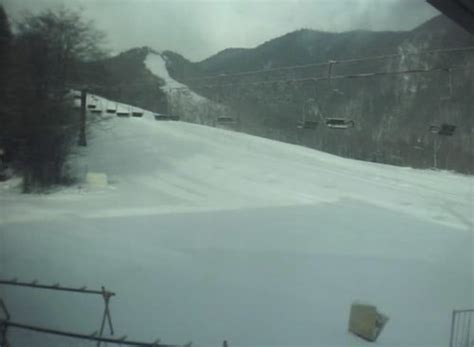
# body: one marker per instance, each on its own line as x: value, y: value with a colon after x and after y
x: 308, y: 46
x: 123, y: 78
x: 392, y: 113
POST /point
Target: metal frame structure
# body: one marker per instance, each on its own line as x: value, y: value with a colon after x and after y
x: 57, y: 286
x: 92, y: 337
x: 97, y: 336
x: 106, y: 295
x: 462, y: 328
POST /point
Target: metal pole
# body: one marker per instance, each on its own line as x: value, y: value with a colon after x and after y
x: 466, y: 324
x: 93, y: 337
x: 106, y: 315
x: 3, y: 335
x: 3, y: 307
x: 102, y: 325
x: 453, y: 320
x: 331, y: 63
x: 33, y: 284
x: 82, y: 141
x: 469, y: 330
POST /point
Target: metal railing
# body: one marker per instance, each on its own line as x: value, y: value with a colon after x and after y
x: 97, y: 336
x: 462, y: 328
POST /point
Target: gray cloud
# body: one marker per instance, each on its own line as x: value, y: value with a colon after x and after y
x: 199, y: 28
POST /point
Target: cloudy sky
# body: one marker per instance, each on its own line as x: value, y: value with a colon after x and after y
x: 200, y: 28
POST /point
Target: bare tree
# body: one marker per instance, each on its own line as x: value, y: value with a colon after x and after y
x: 49, y: 45
x: 8, y: 109
x: 68, y: 36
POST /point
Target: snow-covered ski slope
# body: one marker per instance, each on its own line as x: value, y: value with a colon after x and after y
x: 156, y: 63
x: 207, y: 234
x: 191, y: 167
x: 182, y: 101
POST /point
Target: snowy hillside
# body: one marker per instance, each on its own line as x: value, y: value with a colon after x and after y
x: 183, y: 101
x: 156, y: 63
x: 207, y: 234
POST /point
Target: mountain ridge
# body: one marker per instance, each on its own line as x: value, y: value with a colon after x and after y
x: 391, y: 114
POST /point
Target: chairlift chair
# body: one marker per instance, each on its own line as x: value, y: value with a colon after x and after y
x: 308, y: 124
x: 444, y: 129
x: 161, y: 117
x: 334, y: 122
x: 434, y: 129
x: 111, y: 109
x: 339, y: 123
x: 137, y: 113
x: 225, y: 120
x: 123, y: 114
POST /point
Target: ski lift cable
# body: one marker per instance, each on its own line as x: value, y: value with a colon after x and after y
x: 319, y: 64
x: 341, y: 77
x: 96, y: 88
x: 330, y: 62
x: 338, y: 62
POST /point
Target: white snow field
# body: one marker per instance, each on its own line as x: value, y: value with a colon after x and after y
x: 156, y: 63
x: 183, y: 101
x: 207, y: 234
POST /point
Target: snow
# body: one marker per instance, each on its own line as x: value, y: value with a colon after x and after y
x: 183, y: 102
x: 156, y: 63
x: 207, y: 234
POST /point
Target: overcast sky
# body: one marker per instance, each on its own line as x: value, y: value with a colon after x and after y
x: 200, y: 28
